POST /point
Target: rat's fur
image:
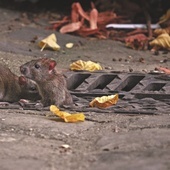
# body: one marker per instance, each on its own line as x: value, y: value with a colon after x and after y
x: 51, y: 84
x: 14, y: 88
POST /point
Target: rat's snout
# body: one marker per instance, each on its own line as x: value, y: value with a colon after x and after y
x: 23, y: 70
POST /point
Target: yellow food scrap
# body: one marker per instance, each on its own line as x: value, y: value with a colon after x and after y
x: 67, y: 117
x: 162, y: 40
x: 104, y: 101
x: 49, y: 42
x: 85, y: 65
x: 69, y: 45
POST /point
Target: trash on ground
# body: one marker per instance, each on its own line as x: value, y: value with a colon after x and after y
x: 69, y: 45
x: 165, y: 70
x: 132, y: 26
x: 162, y: 41
x: 49, y: 42
x: 165, y: 17
x: 116, y: 25
x: 67, y: 117
x: 85, y: 24
x: 137, y: 41
x: 104, y: 101
x: 85, y: 65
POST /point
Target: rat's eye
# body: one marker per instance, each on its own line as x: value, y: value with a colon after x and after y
x: 37, y: 66
x: 33, y: 88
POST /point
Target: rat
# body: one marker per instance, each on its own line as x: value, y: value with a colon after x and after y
x: 13, y: 87
x: 51, y: 83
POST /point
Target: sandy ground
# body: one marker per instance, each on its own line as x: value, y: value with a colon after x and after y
x: 31, y: 140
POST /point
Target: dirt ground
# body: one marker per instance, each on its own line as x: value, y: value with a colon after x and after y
x: 32, y: 140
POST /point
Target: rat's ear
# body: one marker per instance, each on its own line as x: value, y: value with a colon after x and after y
x: 52, y: 65
x: 22, y: 80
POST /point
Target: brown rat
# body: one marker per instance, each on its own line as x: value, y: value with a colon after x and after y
x: 14, y: 88
x: 51, y: 84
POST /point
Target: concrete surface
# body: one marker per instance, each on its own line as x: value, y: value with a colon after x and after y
x: 32, y: 140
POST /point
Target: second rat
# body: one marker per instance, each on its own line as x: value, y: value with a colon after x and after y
x: 52, y: 85
x: 14, y: 88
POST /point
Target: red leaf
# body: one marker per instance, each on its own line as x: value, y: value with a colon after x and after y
x: 71, y: 27
x: 93, y: 18
x: 165, y: 70
x: 77, y: 7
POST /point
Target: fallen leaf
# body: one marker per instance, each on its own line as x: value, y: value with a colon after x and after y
x: 137, y: 42
x: 49, y: 42
x: 70, y: 27
x: 104, y: 101
x: 67, y: 117
x: 93, y: 18
x: 77, y: 8
x: 162, y: 31
x: 165, y: 70
x: 162, y: 41
x: 77, y: 117
x: 165, y: 17
x: 85, y: 65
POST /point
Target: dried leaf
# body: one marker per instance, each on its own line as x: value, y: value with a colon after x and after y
x: 93, y: 18
x: 71, y: 27
x: 162, y: 31
x: 165, y: 17
x: 104, y: 101
x: 85, y: 65
x: 165, y: 70
x: 106, y: 17
x: 49, y: 42
x: 138, y: 41
x: 77, y: 7
x: 162, y: 41
x: 84, y: 32
x: 67, y: 117
x: 77, y: 117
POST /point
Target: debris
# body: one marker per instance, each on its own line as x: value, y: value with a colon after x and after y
x: 104, y: 101
x: 165, y: 17
x: 165, y: 70
x: 49, y: 42
x: 65, y: 146
x: 67, y: 117
x: 69, y: 45
x: 72, y: 27
x: 162, y: 41
x: 162, y: 31
x: 85, y: 23
x: 131, y: 26
x: 85, y: 65
x: 137, y: 42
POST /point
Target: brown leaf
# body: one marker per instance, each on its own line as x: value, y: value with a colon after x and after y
x: 77, y: 8
x: 104, y: 101
x: 74, y: 13
x: 165, y: 70
x: 106, y: 17
x: 71, y: 27
x: 58, y: 24
x: 93, y: 18
x: 84, y: 32
x: 138, y: 41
